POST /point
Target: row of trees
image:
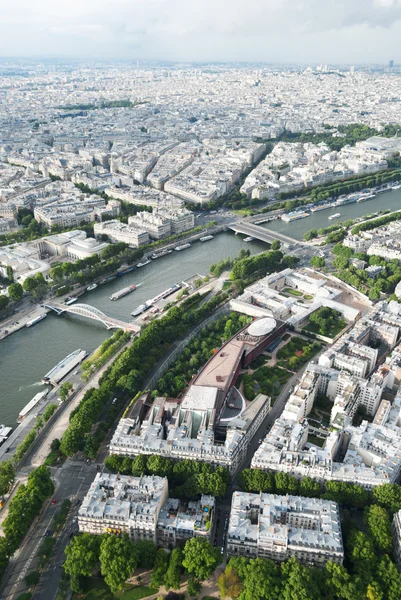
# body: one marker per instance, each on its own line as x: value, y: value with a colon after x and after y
x: 104, y: 352
x: 349, y: 495
x: 128, y: 371
x: 22, y: 510
x: 187, y: 478
x: 373, y: 223
x: 262, y: 579
x: 117, y: 557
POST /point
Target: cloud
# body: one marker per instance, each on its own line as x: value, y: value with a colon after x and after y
x: 188, y: 28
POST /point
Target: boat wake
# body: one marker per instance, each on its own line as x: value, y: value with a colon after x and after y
x: 25, y: 387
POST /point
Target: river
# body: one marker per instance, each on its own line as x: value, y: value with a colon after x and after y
x: 28, y: 354
x: 387, y: 200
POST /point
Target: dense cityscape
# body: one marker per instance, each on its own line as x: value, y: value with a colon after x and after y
x: 229, y: 426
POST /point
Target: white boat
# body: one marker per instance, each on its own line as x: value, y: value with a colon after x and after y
x: 35, y: 320
x: 183, y: 247
x: 31, y: 405
x: 334, y: 216
x: 70, y: 300
x: 139, y: 310
x: 157, y: 255
x: 366, y: 197
x: 64, y: 367
x: 5, y: 432
x: 248, y: 239
x: 91, y: 287
x: 396, y: 187
x: 144, y: 263
x: 206, y: 238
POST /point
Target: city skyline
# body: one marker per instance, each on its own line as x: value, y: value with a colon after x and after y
x: 278, y: 31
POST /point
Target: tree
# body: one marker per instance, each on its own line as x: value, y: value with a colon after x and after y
x: 298, y: 582
x: 160, y: 568
x: 4, y: 301
x: 139, y: 465
x: 261, y: 580
x: 318, y: 262
x: 10, y: 274
x: 65, y: 390
x: 146, y: 554
x: 373, y: 591
x: 56, y: 273
x: 361, y: 550
x: 82, y: 555
x: 118, y: 560
x: 229, y: 583
x: 157, y: 465
x: 172, y: 578
x: 30, y: 284
x: 4, y: 553
x: 15, y: 291
x: 389, y: 578
x: 193, y: 586
x: 200, y: 558
x: 379, y: 527
x: 276, y: 245
x: 388, y: 496
x: 310, y: 235
x: 7, y: 476
x: 309, y: 487
x: 285, y: 484
x: 338, y: 582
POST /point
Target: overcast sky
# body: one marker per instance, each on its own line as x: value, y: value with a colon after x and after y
x: 350, y: 31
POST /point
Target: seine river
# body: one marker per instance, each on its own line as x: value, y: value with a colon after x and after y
x: 387, y: 200
x: 27, y: 355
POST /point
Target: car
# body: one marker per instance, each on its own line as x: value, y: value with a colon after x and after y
x: 54, y: 501
x: 49, y: 533
x: 222, y: 550
x: 114, y: 400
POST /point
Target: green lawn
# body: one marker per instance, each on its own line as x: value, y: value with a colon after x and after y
x: 296, y: 353
x: 265, y: 380
x: 330, y: 333
x: 317, y: 441
x: 293, y: 292
x: 308, y: 297
x: 100, y: 591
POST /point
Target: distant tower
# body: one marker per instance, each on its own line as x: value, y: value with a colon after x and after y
x: 352, y: 70
x: 390, y: 64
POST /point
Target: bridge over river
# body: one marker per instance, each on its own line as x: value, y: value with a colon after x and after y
x: 265, y: 235
x: 90, y: 312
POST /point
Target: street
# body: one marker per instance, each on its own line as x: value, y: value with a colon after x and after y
x: 72, y: 480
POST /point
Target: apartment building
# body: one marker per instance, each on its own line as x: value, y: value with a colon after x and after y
x: 141, y: 508
x: 120, y: 232
x: 281, y: 527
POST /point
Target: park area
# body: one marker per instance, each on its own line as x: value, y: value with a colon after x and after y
x: 326, y: 322
x: 99, y: 590
x: 268, y: 374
